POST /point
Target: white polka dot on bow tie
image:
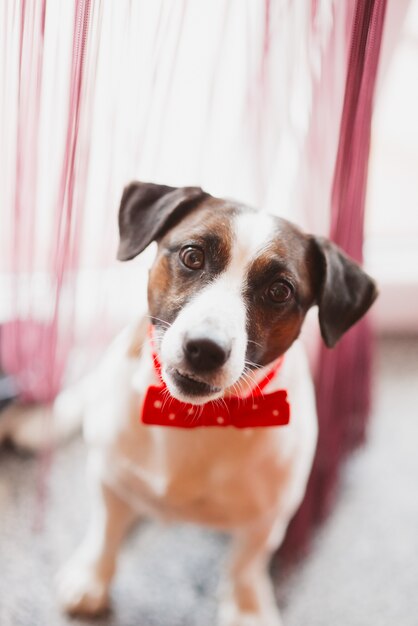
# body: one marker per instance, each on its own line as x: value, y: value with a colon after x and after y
x: 275, y: 412
x: 190, y: 412
x: 158, y: 404
x: 172, y: 416
x: 220, y: 420
x: 255, y: 407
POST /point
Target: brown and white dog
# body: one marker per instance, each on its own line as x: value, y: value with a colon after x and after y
x: 228, y: 293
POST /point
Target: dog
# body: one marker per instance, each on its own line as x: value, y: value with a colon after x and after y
x: 228, y: 293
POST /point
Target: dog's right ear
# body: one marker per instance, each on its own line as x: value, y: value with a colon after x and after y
x: 147, y: 211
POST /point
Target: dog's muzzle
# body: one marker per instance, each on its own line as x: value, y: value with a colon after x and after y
x: 200, y: 360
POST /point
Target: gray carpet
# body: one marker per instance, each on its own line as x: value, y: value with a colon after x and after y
x: 362, y: 569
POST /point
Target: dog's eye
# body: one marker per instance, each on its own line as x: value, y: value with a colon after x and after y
x: 193, y: 258
x: 279, y: 291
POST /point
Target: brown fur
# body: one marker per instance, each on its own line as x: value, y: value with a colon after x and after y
x: 171, y: 285
x: 272, y: 328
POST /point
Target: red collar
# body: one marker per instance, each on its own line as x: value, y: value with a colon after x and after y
x: 258, y: 409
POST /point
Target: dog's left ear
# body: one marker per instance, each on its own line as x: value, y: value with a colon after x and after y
x: 148, y: 210
x: 345, y: 291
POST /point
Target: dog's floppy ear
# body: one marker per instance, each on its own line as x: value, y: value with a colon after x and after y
x: 345, y: 291
x: 148, y: 210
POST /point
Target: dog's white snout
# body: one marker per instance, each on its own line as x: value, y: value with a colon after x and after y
x: 205, y: 352
x: 209, y: 337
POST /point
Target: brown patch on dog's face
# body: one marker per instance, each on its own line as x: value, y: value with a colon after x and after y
x: 172, y: 284
x: 287, y: 264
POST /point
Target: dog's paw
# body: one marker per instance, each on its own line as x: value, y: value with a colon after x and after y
x: 231, y: 615
x: 81, y: 591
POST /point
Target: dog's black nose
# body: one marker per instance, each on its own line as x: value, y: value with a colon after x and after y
x: 205, y: 355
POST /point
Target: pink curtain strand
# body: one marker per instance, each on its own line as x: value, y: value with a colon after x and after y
x: 30, y: 350
x: 343, y: 378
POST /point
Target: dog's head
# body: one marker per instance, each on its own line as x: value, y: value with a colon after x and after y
x: 230, y: 286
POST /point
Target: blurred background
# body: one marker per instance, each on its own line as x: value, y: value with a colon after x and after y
x: 266, y: 101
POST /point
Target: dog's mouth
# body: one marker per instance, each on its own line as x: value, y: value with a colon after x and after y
x: 191, y: 385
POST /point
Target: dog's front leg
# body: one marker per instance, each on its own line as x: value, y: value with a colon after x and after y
x: 249, y: 598
x: 83, y: 583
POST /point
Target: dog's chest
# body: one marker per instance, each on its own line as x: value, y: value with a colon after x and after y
x: 218, y: 477
x: 215, y: 476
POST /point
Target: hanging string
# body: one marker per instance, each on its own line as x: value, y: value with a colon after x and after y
x: 343, y: 380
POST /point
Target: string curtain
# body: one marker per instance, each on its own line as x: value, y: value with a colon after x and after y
x: 268, y: 102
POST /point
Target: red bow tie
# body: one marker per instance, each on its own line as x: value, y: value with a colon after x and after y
x: 272, y: 409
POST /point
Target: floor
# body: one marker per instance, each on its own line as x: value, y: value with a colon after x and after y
x: 362, y: 569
